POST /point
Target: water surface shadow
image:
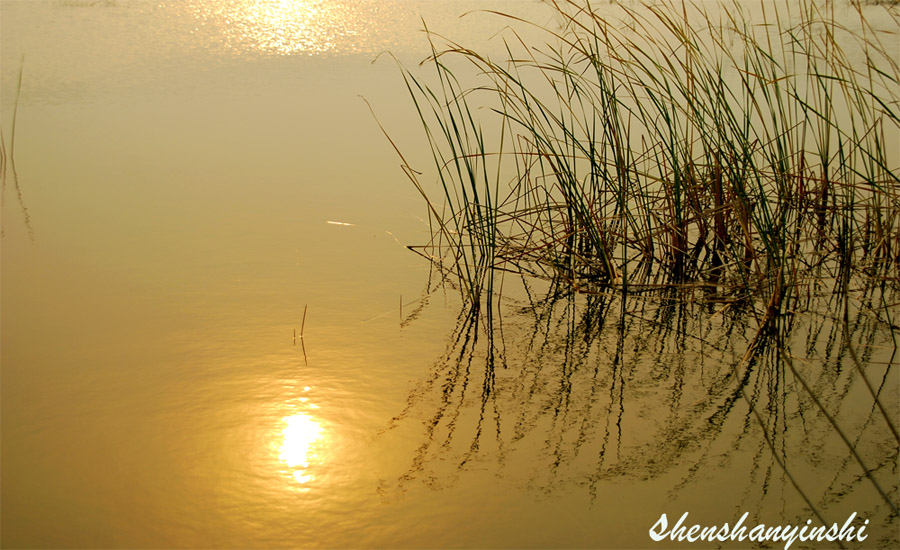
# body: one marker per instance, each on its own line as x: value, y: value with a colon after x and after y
x: 565, y: 391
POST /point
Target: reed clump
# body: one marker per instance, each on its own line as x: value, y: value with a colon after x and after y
x: 750, y: 149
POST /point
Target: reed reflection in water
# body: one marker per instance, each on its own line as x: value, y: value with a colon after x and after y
x: 597, y: 389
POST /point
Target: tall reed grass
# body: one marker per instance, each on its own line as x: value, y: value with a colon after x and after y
x: 750, y: 149
x: 653, y: 156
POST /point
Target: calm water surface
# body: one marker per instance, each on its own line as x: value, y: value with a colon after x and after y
x: 190, y: 177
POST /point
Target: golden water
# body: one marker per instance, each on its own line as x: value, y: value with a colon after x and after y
x: 198, y: 174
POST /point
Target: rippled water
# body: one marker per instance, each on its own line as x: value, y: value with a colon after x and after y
x: 203, y: 342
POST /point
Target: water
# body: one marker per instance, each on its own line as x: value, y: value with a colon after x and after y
x: 198, y: 174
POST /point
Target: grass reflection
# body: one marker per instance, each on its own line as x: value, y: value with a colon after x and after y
x: 571, y: 390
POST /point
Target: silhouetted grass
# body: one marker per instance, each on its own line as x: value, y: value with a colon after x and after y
x: 748, y: 154
x: 712, y: 195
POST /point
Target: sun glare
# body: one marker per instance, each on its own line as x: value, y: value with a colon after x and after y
x: 300, y: 435
x: 288, y: 27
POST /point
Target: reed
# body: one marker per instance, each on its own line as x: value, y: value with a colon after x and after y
x: 697, y: 186
x: 8, y: 160
x: 747, y: 154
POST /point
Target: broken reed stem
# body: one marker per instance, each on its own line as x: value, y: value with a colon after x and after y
x: 303, y: 323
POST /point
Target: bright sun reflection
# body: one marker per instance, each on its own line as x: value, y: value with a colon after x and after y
x: 287, y: 27
x: 300, y: 434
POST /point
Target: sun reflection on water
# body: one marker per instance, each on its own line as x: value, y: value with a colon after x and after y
x: 301, y: 440
x: 300, y: 435
x: 286, y: 27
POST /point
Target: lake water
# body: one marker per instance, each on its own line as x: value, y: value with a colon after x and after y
x: 198, y: 184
